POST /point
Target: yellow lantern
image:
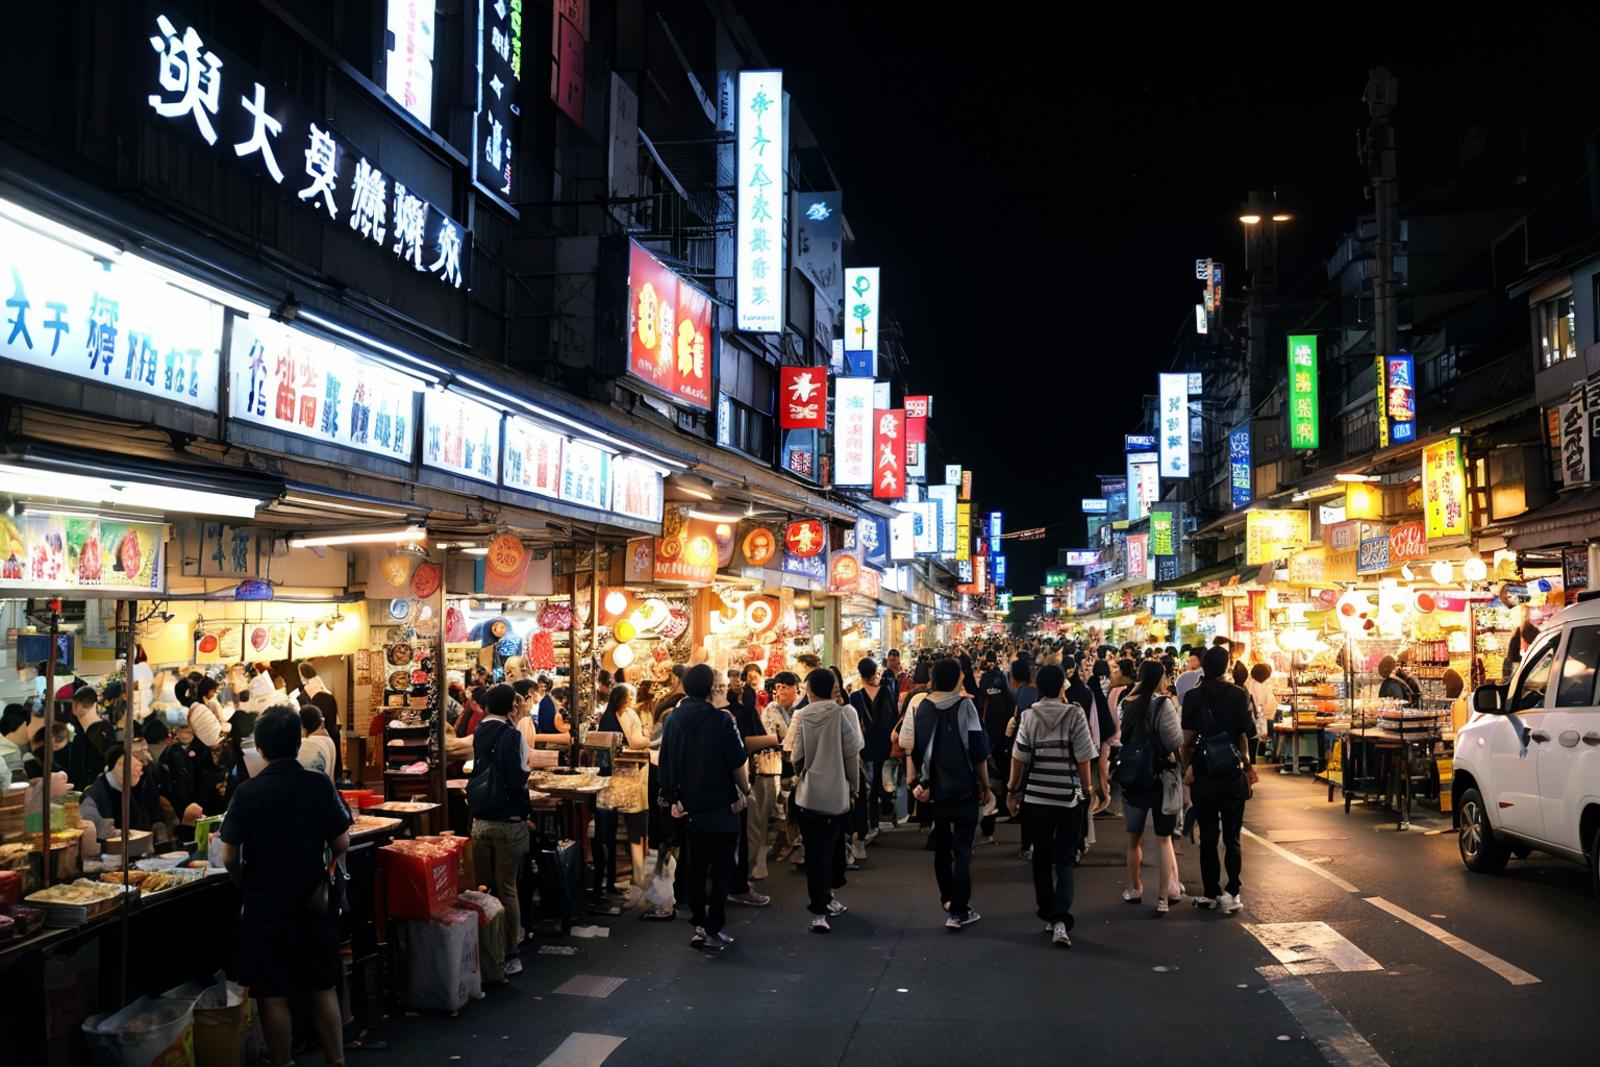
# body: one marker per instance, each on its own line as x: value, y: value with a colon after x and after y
x: 625, y: 631
x: 1363, y: 501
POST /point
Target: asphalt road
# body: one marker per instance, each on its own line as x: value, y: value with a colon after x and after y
x: 1418, y: 962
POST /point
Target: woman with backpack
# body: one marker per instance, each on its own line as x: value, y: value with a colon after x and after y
x: 1151, y: 781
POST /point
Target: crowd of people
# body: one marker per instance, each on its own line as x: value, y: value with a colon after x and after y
x: 809, y: 766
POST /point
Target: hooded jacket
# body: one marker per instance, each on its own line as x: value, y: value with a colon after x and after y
x: 700, y: 751
x: 948, y: 767
x: 824, y: 744
x: 1054, y: 739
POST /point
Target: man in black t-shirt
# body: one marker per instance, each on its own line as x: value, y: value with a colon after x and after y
x: 1217, y: 708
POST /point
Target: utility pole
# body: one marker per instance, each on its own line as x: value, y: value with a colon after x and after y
x: 1381, y: 95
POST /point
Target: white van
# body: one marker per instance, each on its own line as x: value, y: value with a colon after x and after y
x: 1527, y: 763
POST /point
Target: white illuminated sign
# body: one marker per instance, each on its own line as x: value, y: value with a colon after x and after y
x: 861, y: 304
x: 944, y: 498
x: 461, y: 436
x: 115, y: 323
x: 408, y: 73
x: 852, y: 431
x: 763, y: 151
x: 1174, y: 425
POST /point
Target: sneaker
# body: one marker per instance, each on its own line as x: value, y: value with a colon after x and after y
x: 1025, y: 854
x: 819, y: 925
x: 513, y: 966
x: 858, y: 850
x: 1205, y: 903
x: 1162, y: 906
x: 751, y: 899
x: 1178, y: 899
x: 988, y: 840
x: 851, y: 863
x: 1230, y: 902
x: 836, y: 907
x: 952, y: 923
x: 1130, y: 897
x: 718, y: 941
x: 971, y: 917
x: 1058, y: 935
x: 699, y: 938
x: 660, y: 915
x: 872, y: 835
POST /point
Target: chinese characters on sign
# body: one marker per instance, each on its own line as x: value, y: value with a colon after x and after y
x: 1144, y: 484
x: 1137, y: 551
x: 861, y: 315
x: 944, y: 505
x: 533, y: 458
x: 499, y: 97
x: 852, y: 432
x: 803, y: 398
x: 1174, y: 421
x: 569, y: 34
x: 805, y: 538
x: 963, y: 531
x: 1407, y: 541
x: 669, y: 330
x: 1270, y: 535
x: 408, y: 68
x: 586, y: 475
x: 1163, y: 539
x: 1444, y: 489
x: 889, y: 454
x: 1239, y: 471
x: 460, y: 436
x: 291, y: 381
x: 636, y: 489
x: 1302, y: 410
x: 763, y: 134
x: 1397, y: 400
x: 918, y: 409
x: 208, y: 93
x: 818, y: 220
x: 111, y: 323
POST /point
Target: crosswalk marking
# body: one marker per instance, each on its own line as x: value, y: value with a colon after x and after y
x: 1513, y: 974
x: 1338, y: 1041
x: 1311, y: 948
x: 582, y: 1050
x: 1300, y: 861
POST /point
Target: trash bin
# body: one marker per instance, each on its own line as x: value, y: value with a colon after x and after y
x: 147, y: 1033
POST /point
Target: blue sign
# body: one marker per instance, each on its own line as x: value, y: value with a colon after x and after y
x: 999, y: 563
x: 872, y: 538
x: 1239, y: 466
x: 1398, y: 404
x: 1139, y: 442
x: 253, y: 589
x: 1373, y: 554
x: 858, y: 363
x: 1164, y: 605
x: 813, y: 567
x: 1095, y: 505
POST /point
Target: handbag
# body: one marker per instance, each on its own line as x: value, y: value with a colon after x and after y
x: 484, y: 789
x: 1218, y: 754
x: 1137, y: 768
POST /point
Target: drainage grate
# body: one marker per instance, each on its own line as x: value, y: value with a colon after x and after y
x: 589, y: 985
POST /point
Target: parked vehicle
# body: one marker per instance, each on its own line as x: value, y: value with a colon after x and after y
x: 1527, y: 763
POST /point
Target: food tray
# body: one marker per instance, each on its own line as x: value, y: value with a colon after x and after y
x: 173, y: 879
x: 64, y: 913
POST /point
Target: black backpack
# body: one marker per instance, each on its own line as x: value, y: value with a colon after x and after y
x: 953, y: 779
x: 485, y: 791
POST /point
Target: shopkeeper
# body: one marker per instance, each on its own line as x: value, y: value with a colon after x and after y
x: 102, y: 801
x: 312, y: 691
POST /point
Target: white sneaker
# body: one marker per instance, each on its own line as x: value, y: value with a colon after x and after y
x: 1058, y: 935
x: 872, y: 835
x: 858, y: 850
x: 1162, y: 906
x: 836, y: 907
x: 513, y: 966
x: 819, y: 925
x: 1230, y: 903
x: 1205, y: 903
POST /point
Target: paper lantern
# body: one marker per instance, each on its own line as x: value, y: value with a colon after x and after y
x: 651, y: 615
x: 1425, y: 603
x: 397, y: 566
x: 616, y: 602
x: 1442, y: 571
x: 622, y: 655
x: 1475, y: 569
x: 625, y: 631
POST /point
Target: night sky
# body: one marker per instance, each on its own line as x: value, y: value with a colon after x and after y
x: 1037, y: 191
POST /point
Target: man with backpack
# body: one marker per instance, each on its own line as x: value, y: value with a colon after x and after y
x: 1052, y: 750
x: 950, y: 764
x: 1216, y: 733
x: 997, y: 707
x: 498, y: 797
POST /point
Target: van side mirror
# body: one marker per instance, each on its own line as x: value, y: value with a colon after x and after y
x: 1488, y: 700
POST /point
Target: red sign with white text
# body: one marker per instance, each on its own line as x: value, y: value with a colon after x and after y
x: 917, y: 411
x: 669, y: 331
x: 1409, y: 540
x: 889, y: 453
x: 803, y: 398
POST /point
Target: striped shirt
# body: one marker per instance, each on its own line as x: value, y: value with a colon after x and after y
x: 1054, y: 737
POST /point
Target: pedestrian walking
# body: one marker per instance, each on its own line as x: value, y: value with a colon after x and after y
x: 825, y: 745
x: 1152, y: 794
x: 498, y: 797
x: 874, y: 702
x: 1052, y: 755
x: 951, y: 771
x: 1216, y: 729
x: 755, y: 738
x: 704, y: 781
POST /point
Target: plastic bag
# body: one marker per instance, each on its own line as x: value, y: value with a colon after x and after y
x: 147, y: 1033
x: 420, y: 878
x: 221, y: 1017
x: 658, y: 894
x: 443, y: 956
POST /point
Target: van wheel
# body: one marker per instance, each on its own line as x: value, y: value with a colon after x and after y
x: 1480, y: 850
x: 1594, y: 861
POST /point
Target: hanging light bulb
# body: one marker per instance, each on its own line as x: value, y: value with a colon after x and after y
x: 1442, y: 571
x: 1475, y: 570
x: 616, y: 602
x: 622, y: 655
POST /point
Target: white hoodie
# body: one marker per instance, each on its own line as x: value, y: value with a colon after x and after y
x: 824, y: 743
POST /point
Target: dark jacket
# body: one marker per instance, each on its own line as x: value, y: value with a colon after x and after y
x: 878, y: 716
x: 497, y: 741
x: 144, y: 803
x: 950, y: 743
x: 700, y: 751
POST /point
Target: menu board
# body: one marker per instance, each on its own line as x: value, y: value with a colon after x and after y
x: 45, y: 550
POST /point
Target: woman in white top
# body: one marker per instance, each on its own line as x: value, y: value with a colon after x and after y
x: 1266, y: 704
x: 627, y: 779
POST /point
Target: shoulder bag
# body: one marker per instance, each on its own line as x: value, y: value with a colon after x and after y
x: 485, y: 790
x: 1218, y: 754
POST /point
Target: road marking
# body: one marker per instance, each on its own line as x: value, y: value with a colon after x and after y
x: 1311, y: 948
x: 1335, y: 1038
x: 589, y: 985
x: 1300, y: 861
x: 582, y: 1050
x: 1514, y: 975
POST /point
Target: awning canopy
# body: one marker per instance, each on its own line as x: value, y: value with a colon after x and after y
x: 1571, y: 519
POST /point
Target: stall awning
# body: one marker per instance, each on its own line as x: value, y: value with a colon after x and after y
x: 1571, y: 519
x: 1195, y: 579
x: 37, y: 471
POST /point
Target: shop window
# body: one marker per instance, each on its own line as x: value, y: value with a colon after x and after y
x: 1439, y: 371
x: 1536, y: 677
x: 743, y: 428
x: 1555, y: 330
x: 1577, y: 670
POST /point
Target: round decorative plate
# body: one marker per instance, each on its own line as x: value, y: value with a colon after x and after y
x: 399, y: 680
x: 400, y: 655
x: 400, y: 609
x: 509, y: 646
x: 497, y: 629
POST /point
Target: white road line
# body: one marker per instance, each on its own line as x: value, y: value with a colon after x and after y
x: 1299, y: 861
x: 1514, y: 975
x: 1335, y: 1038
x: 582, y: 1050
x: 1311, y: 948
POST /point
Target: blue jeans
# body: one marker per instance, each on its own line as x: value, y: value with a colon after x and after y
x: 954, y: 825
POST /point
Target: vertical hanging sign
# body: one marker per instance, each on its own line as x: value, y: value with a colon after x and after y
x: 861, y: 319
x: 494, y: 153
x: 1444, y: 489
x: 852, y: 432
x: 763, y: 151
x: 1303, y: 391
x: 1174, y: 396
x: 889, y: 454
x: 1397, y: 400
x: 1239, y: 473
x: 918, y: 408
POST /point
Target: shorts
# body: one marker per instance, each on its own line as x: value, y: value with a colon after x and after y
x: 283, y: 955
x: 1133, y: 818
